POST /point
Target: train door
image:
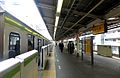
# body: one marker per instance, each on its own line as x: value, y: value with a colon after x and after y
x: 14, y: 44
x: 30, y: 42
x: 39, y: 50
x: 42, y: 54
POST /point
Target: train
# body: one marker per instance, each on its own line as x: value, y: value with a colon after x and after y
x: 19, y: 38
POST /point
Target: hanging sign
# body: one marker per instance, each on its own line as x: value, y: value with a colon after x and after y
x: 99, y: 28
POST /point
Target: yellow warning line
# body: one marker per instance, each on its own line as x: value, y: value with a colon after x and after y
x: 51, y: 72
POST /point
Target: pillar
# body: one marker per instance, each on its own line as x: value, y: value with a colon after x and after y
x: 77, y: 45
x: 1, y: 33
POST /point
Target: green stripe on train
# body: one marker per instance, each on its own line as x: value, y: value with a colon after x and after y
x: 29, y: 59
x: 9, y: 20
x: 12, y: 22
x: 12, y: 72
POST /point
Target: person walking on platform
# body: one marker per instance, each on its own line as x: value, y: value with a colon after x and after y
x: 71, y: 47
x: 61, y: 46
x: 68, y: 47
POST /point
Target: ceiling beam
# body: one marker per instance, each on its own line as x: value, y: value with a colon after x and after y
x: 46, y: 6
x: 62, y: 25
x: 77, y: 24
x: 42, y: 5
x: 46, y: 17
x: 48, y: 20
x: 51, y: 29
x: 113, y: 13
x: 84, y: 13
x: 83, y: 17
x: 51, y: 25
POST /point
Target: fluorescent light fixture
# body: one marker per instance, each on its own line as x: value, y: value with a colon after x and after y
x: 65, y: 40
x: 55, y: 28
x: 72, y: 39
x: 56, y: 20
x: 54, y: 35
x: 55, y: 31
x: 59, y: 6
x: 113, y: 18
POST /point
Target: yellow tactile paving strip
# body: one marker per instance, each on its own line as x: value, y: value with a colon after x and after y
x: 50, y: 71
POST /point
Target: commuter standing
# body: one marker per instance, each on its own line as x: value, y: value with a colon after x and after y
x: 68, y: 47
x: 56, y: 44
x: 61, y: 46
x: 71, y: 47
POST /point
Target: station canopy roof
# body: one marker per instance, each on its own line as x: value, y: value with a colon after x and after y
x: 75, y: 14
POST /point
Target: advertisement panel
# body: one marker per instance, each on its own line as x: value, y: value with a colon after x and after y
x: 88, y: 46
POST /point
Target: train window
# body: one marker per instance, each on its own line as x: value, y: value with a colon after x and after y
x: 43, y: 42
x: 118, y: 30
x: 14, y: 44
x: 114, y: 39
x: 30, y: 42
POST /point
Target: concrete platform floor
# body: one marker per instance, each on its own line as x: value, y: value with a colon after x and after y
x: 50, y: 68
x: 69, y: 66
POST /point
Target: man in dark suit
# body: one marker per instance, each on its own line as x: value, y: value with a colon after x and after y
x: 61, y: 46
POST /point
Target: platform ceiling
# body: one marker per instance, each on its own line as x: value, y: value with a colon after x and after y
x: 75, y: 14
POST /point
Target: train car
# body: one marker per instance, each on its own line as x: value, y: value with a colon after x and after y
x: 20, y: 38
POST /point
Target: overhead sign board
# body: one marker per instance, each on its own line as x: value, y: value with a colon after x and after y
x: 99, y: 28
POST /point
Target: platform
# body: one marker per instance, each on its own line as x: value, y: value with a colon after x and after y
x: 65, y: 65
